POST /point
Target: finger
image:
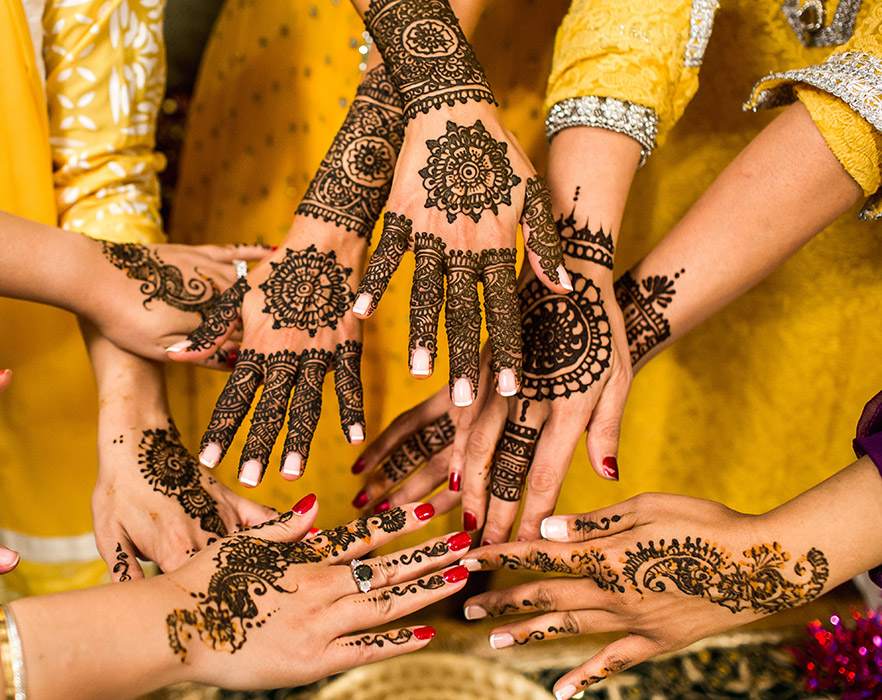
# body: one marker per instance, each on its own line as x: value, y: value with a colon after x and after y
x: 5, y: 378
x: 444, y: 501
x: 426, y: 298
x: 542, y: 239
x: 350, y: 397
x: 618, y: 656
x: 529, y: 556
x: 8, y: 559
x: 592, y: 525
x: 463, y: 323
x: 281, y: 372
x: 125, y: 566
x: 552, y: 626
x: 605, y: 427
x: 503, y: 317
x: 306, y: 407
x: 231, y: 407
x: 545, y: 595
x: 238, y: 251
x: 478, y: 455
x: 250, y: 513
x: 360, y: 649
x: 215, y: 329
x: 421, y: 484
x: 291, y: 526
x: 394, y: 242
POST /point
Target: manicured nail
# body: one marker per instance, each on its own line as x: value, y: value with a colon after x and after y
x: 553, y: 528
x: 250, y: 474
x: 273, y: 248
x: 356, y: 434
x: 383, y: 506
x: 424, y: 511
x: 469, y: 521
x: 460, y: 540
x: 362, y: 304
x: 471, y: 564
x: 455, y: 481
x: 421, y: 363
x: 474, y: 612
x: 210, y: 456
x: 424, y: 633
x: 507, y: 383
x: 293, y: 465
x: 232, y: 359
x: 177, y: 347
x: 565, y: 693
x: 313, y: 531
x: 564, y: 277
x: 8, y: 558
x: 456, y: 574
x: 305, y: 504
x: 462, y: 392
x: 611, y: 468
x: 486, y: 543
x: 500, y: 640
x: 361, y: 499
x: 358, y: 467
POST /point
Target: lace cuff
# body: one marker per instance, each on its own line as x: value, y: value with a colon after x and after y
x: 628, y: 118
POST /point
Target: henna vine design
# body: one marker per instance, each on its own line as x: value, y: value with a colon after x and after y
x: 394, y: 242
x: 550, y: 633
x: 222, y: 316
x: 702, y: 569
x: 161, y: 281
x: 307, y: 290
x: 514, y: 453
x: 172, y: 471
x: 581, y: 525
x: 429, y: 584
x: 418, y: 448
x: 439, y: 549
x: 122, y: 564
x: 427, y: 55
x: 499, y: 280
x: 544, y: 239
x: 427, y: 292
x: 354, y: 178
x: 468, y: 172
x: 590, y: 563
x: 641, y: 305
x: 582, y: 243
x: 403, y: 636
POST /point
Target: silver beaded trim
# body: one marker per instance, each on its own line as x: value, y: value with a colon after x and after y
x: 807, y: 17
x: 628, y: 118
x: 701, y: 23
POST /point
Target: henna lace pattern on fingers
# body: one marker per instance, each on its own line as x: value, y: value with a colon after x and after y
x: 222, y: 316
x: 427, y: 293
x: 418, y: 448
x: 514, y: 454
x: 234, y: 400
x: 589, y: 563
x: 544, y: 240
x: 347, y: 381
x: 428, y: 57
x: 269, y: 415
x: 463, y: 315
x: 306, y: 405
x: 499, y: 280
x: 394, y: 243
x: 641, y: 305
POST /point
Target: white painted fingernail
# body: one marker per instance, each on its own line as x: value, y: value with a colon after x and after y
x: 474, y: 612
x: 362, y: 304
x: 501, y: 640
x: 292, y: 465
x: 471, y: 564
x: 565, y: 281
x: 250, y: 475
x: 421, y: 363
x: 356, y: 433
x: 507, y: 383
x: 177, y: 347
x: 565, y: 693
x: 554, y: 528
x: 210, y: 456
x: 462, y: 392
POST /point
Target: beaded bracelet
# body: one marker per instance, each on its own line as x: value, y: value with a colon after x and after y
x: 11, y: 661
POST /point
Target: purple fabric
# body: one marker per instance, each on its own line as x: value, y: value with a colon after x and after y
x: 869, y: 442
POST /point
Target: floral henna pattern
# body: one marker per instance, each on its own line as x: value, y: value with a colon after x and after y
x: 394, y: 243
x: 463, y: 315
x: 468, y: 172
x: 589, y: 563
x: 418, y: 448
x: 499, y: 280
x: 161, y: 281
x: 222, y: 316
x: 307, y: 290
x: 514, y: 453
x: 235, y: 399
x: 428, y: 57
x: 641, y: 305
x: 306, y: 406
x: 427, y: 293
x: 544, y: 239
x: 121, y: 568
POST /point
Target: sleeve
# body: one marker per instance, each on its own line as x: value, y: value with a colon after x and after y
x: 844, y: 97
x: 627, y: 65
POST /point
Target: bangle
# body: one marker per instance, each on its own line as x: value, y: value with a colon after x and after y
x: 11, y: 661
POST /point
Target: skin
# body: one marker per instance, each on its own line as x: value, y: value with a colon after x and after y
x: 8, y: 558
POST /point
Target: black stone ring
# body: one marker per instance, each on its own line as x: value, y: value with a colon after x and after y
x: 362, y: 574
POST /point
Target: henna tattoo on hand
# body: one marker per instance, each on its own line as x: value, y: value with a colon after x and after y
x: 429, y: 584
x: 439, y: 549
x: 347, y: 383
x: 702, y: 569
x: 585, y: 525
x: 339, y: 539
x: 161, y: 281
x: 544, y: 239
x: 222, y: 316
x: 589, y: 563
x: 269, y: 415
x: 427, y: 293
x: 306, y: 405
x: 581, y: 243
x: 235, y: 400
x: 540, y: 635
x: 499, y: 280
x: 307, y: 290
x: 122, y: 564
x: 641, y: 305
x: 468, y: 172
x: 427, y: 55
x: 514, y: 454
x: 419, y: 448
x: 354, y: 178
x: 463, y: 315
x: 379, y: 640
x: 394, y: 242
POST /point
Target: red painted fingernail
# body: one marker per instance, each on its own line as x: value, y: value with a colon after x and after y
x: 611, y: 468
x: 232, y: 358
x: 457, y: 573
x: 469, y: 521
x: 361, y: 499
x: 424, y: 511
x: 486, y: 543
x: 424, y: 633
x: 305, y: 504
x: 460, y: 540
x: 382, y: 506
x: 358, y: 467
x: 455, y: 481
x: 313, y: 531
x: 274, y: 248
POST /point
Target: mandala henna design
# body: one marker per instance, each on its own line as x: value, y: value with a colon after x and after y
x: 582, y: 243
x: 581, y: 525
x: 379, y: 640
x: 499, y: 280
x: 567, y: 339
x: 641, y: 305
x: 161, y: 281
x: 544, y: 239
x: 173, y: 472
x: 702, y: 569
x: 354, y: 178
x: 463, y: 315
x: 418, y: 448
x: 427, y: 293
x: 235, y: 400
x: 514, y: 454
x: 222, y: 316
x: 394, y: 242
x: 121, y: 568
x: 347, y: 382
x: 427, y: 55
x: 306, y: 406
x: 307, y: 290
x: 269, y: 414
x: 468, y: 172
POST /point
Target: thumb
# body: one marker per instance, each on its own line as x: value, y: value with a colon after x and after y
x: 8, y: 560
x: 617, y: 656
x: 605, y: 427
x: 215, y: 329
x: 125, y: 563
x: 291, y: 526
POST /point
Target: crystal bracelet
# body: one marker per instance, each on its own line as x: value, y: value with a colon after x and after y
x: 11, y: 661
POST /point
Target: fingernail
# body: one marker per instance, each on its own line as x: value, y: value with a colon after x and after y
x: 273, y: 248
x: 356, y: 433
x: 358, y: 467
x: 177, y: 347
x: 462, y: 392
x: 553, y: 528
x: 474, y: 612
x: 565, y: 693
x: 424, y: 633
x: 469, y: 521
x: 362, y: 304
x: 292, y: 465
x: 500, y: 640
x: 8, y: 558
x: 313, y: 531
x: 382, y: 507
x: 421, y: 363
x: 507, y: 383
x: 250, y: 474
x: 361, y: 499
x: 210, y: 456
x: 455, y: 481
x: 486, y: 543
x: 424, y: 511
x: 305, y: 504
x: 611, y: 468
x: 471, y: 564
x: 460, y: 540
x: 564, y: 277
x: 456, y: 574
x: 232, y: 358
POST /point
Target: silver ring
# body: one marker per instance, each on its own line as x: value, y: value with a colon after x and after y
x: 362, y: 574
x: 241, y: 268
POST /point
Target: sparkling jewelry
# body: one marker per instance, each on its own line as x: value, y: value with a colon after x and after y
x: 11, y: 660
x: 362, y: 574
x: 241, y: 268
